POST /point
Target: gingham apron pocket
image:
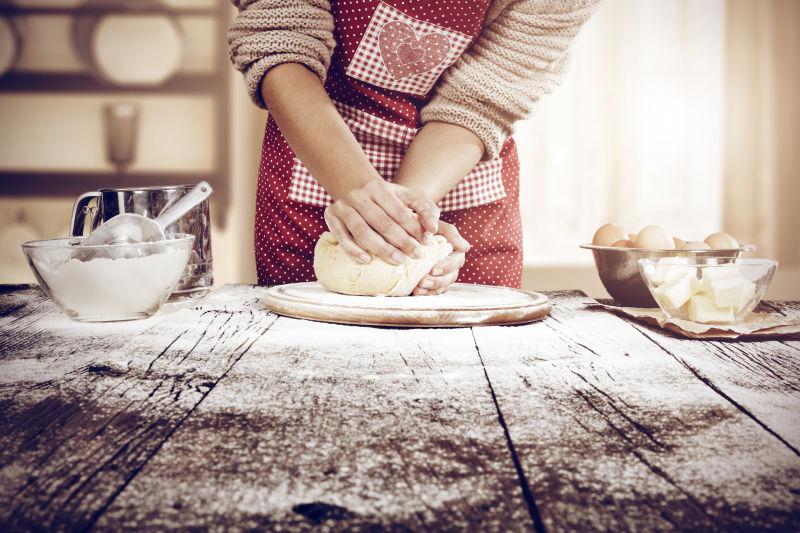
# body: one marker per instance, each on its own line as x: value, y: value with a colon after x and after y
x: 385, y: 143
x: 304, y: 188
x: 483, y: 185
x: 405, y: 54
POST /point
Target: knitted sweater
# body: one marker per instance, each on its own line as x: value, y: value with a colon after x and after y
x: 520, y: 56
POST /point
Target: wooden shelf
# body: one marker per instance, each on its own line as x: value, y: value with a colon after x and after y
x: 73, y: 183
x: 80, y: 82
x: 70, y: 183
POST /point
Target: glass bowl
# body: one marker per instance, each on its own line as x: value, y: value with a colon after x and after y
x: 618, y: 269
x: 109, y: 282
x: 709, y: 290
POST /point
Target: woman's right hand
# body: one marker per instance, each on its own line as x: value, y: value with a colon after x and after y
x: 379, y: 217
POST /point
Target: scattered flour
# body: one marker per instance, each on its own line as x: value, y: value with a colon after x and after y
x: 113, y: 289
x: 458, y: 295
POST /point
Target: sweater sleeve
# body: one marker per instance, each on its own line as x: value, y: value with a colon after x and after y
x: 520, y: 56
x: 267, y: 33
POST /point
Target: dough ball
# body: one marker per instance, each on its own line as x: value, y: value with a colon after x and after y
x: 655, y: 238
x: 608, y: 234
x: 338, y: 272
x: 722, y: 241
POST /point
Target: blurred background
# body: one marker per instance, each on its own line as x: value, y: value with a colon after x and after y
x: 681, y: 113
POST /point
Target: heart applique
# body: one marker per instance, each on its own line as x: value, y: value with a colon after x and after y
x: 405, y: 55
x: 409, y: 53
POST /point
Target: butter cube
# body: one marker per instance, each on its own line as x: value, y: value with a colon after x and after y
x: 669, y: 268
x: 677, y: 290
x: 731, y: 290
x: 717, y: 272
x: 702, y: 309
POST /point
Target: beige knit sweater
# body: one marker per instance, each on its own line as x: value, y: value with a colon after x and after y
x: 519, y: 57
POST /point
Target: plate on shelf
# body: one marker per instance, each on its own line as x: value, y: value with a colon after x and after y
x: 130, y: 48
x: 10, y: 45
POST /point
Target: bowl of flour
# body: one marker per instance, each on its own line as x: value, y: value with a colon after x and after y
x: 110, y: 282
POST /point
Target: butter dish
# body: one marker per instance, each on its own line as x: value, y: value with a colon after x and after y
x: 707, y: 290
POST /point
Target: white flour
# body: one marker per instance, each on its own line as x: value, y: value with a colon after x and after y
x: 105, y: 289
x: 457, y: 295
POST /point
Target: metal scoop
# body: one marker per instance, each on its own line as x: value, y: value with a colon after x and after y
x: 130, y: 228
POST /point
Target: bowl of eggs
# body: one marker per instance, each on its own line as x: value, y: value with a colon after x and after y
x: 617, y: 254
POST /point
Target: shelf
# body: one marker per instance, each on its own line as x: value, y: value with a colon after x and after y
x: 73, y: 183
x: 80, y: 82
x: 214, y: 85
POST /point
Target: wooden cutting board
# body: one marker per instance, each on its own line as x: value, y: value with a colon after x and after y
x: 462, y: 305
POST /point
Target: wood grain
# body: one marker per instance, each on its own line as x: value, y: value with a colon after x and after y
x: 215, y: 415
x: 72, y: 438
x: 350, y: 428
x: 613, y: 433
x: 761, y: 378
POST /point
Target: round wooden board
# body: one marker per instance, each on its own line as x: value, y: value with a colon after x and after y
x: 463, y: 305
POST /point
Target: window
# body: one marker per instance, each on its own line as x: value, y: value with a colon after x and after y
x: 634, y: 135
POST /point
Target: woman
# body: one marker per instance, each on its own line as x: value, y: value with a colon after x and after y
x: 389, y: 119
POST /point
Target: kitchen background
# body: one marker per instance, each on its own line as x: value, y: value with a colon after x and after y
x: 682, y: 113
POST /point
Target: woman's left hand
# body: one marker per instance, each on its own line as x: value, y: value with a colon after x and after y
x: 445, y: 272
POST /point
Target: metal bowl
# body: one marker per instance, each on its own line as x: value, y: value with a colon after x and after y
x: 618, y: 269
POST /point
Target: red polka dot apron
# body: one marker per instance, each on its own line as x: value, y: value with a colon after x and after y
x: 388, y: 57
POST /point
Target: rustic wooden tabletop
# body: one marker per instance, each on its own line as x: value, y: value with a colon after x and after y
x: 218, y: 414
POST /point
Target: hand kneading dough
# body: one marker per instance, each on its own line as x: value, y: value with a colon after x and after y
x: 337, y: 272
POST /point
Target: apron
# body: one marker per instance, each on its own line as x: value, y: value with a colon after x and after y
x: 388, y: 57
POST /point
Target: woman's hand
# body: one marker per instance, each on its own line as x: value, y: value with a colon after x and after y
x: 379, y: 217
x: 445, y: 272
x: 439, y: 157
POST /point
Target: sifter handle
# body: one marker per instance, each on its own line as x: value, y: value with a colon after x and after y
x: 197, y: 194
x: 79, y: 213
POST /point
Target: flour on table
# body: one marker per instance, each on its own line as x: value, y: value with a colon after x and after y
x: 458, y: 296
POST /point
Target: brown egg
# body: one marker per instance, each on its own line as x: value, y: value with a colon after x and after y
x: 695, y: 246
x: 679, y: 243
x: 655, y: 238
x: 632, y: 237
x: 624, y: 243
x: 722, y: 241
x: 608, y: 234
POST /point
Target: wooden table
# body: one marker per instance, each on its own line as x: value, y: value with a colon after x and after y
x: 218, y: 414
